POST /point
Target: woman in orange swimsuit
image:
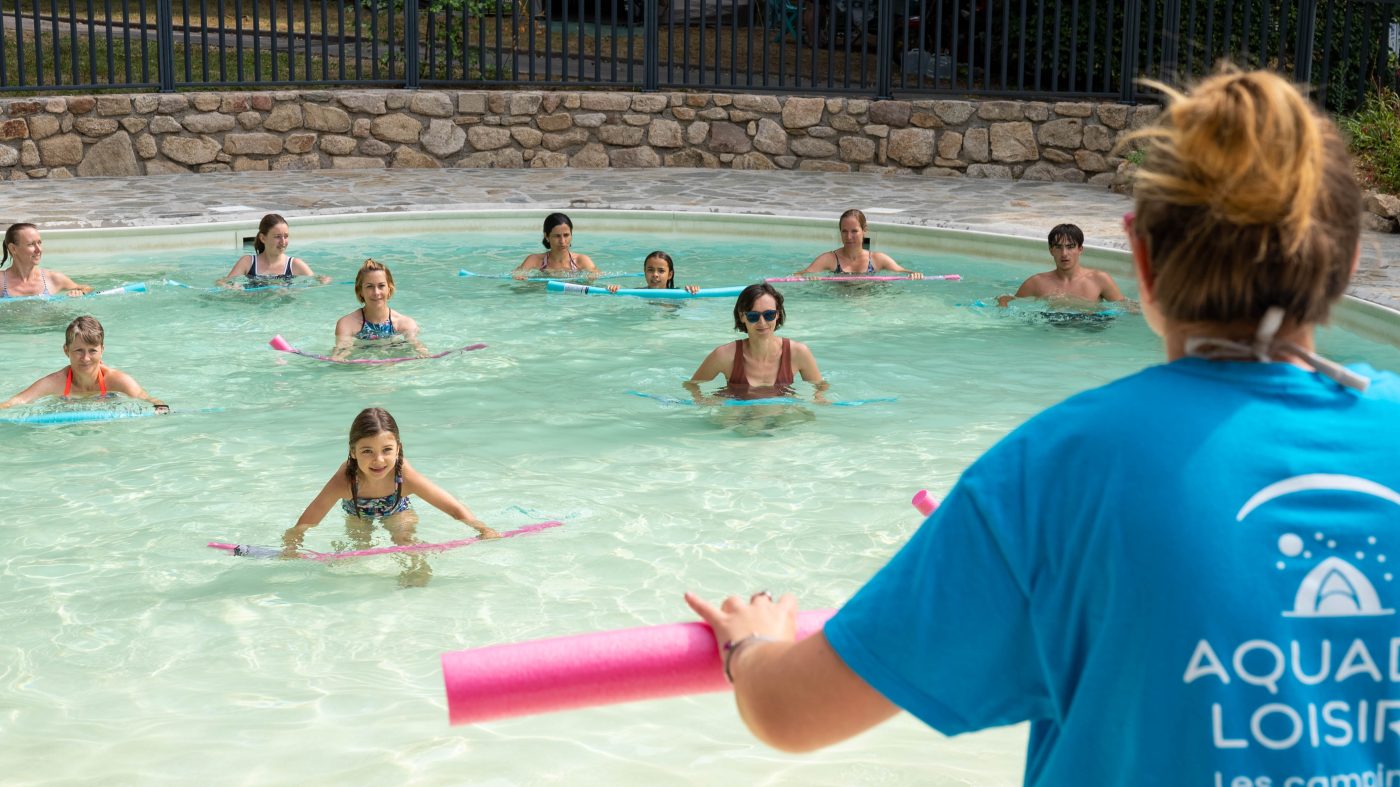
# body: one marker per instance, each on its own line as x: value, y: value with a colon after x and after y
x: 85, y: 376
x: 761, y: 365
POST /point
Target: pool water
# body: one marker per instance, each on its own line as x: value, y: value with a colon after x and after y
x: 135, y: 654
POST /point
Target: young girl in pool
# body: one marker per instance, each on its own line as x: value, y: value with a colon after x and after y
x: 374, y: 320
x: 660, y: 273
x: 560, y: 260
x: 376, y: 482
x: 23, y: 248
x: 1182, y: 572
x: 85, y: 376
x: 269, y: 262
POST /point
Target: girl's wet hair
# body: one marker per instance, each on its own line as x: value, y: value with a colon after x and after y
x: 1246, y: 200
x: 670, y: 266
x: 553, y: 220
x: 859, y: 216
x: 750, y: 296
x: 12, y: 236
x: 85, y: 329
x: 370, y: 266
x: 370, y: 422
x: 265, y: 226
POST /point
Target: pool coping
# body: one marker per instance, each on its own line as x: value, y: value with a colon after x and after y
x: 967, y: 215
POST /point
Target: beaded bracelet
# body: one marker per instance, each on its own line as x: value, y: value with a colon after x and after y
x: 732, y: 648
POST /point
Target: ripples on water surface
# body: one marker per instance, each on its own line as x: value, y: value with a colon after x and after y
x: 134, y: 654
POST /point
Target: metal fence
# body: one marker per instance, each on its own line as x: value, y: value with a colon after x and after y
x: 876, y: 48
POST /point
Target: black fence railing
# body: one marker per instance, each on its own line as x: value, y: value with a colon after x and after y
x: 877, y: 48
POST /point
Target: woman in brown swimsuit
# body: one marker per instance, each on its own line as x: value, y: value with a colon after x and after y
x: 761, y: 365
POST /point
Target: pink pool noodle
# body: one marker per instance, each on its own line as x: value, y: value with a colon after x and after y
x: 441, y: 546
x: 945, y: 277
x: 278, y: 343
x: 602, y: 668
x: 925, y: 502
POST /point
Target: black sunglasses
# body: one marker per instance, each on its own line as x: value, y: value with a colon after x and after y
x: 770, y: 315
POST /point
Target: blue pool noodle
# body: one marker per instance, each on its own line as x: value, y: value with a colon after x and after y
x: 139, y: 286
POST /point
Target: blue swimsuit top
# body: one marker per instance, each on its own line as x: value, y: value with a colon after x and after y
x: 253, y: 274
x: 869, y: 262
x: 376, y: 507
x: 375, y: 330
x: 5, y: 283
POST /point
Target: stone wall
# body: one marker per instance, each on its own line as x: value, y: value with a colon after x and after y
x: 146, y: 134
x: 316, y: 129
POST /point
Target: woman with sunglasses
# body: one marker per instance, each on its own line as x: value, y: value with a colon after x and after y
x: 761, y: 365
x: 1206, y: 595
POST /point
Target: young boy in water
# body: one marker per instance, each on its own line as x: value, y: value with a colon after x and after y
x: 1069, y: 279
x: 85, y: 375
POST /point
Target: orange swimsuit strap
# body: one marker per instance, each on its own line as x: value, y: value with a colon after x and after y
x: 101, y: 382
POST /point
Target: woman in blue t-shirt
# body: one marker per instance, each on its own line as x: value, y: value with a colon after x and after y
x: 1205, y: 599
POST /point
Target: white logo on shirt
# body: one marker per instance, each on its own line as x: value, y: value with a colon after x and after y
x: 1334, y: 587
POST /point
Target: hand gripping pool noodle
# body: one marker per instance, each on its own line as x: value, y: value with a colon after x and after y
x: 662, y: 294
x: 925, y: 502
x: 278, y: 343
x: 795, y: 279
x: 256, y: 551
x: 602, y: 668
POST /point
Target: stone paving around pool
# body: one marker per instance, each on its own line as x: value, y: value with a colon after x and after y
x: 1019, y: 208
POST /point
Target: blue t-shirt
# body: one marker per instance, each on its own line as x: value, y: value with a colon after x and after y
x: 1185, y: 577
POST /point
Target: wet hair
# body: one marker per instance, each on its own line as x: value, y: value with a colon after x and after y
x: 750, y: 296
x: 370, y: 266
x: 859, y: 216
x: 85, y: 329
x: 670, y: 266
x: 370, y: 422
x: 265, y: 226
x: 553, y: 220
x: 12, y: 236
x: 1066, y: 232
x: 1246, y: 200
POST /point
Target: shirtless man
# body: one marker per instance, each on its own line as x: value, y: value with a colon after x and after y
x: 1068, y: 280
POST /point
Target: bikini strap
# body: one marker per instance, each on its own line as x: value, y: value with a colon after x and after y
x: 44, y: 282
x: 1266, y: 346
x: 101, y: 381
x: 355, y: 490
